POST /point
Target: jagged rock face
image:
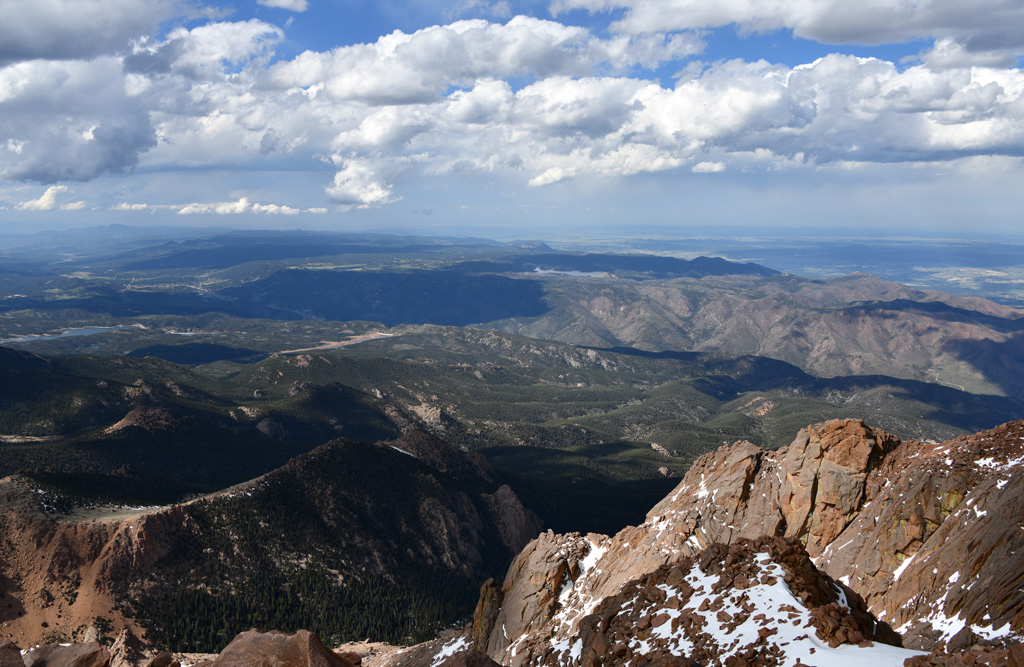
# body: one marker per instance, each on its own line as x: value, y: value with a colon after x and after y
x: 811, y: 489
x: 762, y: 601
x: 989, y: 656
x: 861, y: 502
x: 455, y: 651
x: 939, y: 545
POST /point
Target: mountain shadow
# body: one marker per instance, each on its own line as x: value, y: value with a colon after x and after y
x: 642, y: 267
x: 406, y: 297
x: 942, y: 311
x: 999, y: 362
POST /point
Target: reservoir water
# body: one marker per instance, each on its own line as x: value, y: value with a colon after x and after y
x: 83, y: 331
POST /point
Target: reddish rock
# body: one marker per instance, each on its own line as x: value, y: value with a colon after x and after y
x: 161, y: 659
x: 486, y: 613
x: 634, y: 628
x: 859, y: 499
x: 89, y: 654
x: 469, y: 659
x: 1011, y: 655
x: 10, y: 654
x: 278, y: 649
x: 127, y: 651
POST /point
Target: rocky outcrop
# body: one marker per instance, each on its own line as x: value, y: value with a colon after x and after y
x: 89, y: 654
x: 456, y: 651
x: 936, y: 549
x: 926, y: 534
x: 811, y: 490
x: 760, y: 601
x: 10, y: 654
x: 127, y: 651
x: 865, y: 503
x: 145, y: 417
x: 278, y: 649
x: 978, y: 655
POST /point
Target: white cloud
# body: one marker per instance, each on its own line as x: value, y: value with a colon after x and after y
x: 536, y: 101
x: 419, y: 67
x: 356, y: 185
x: 46, y: 202
x: 753, y: 116
x: 290, y: 5
x: 125, y: 206
x: 708, y: 167
x: 242, y: 206
x: 207, y: 52
x: 981, y: 25
x: 550, y: 175
x: 946, y: 53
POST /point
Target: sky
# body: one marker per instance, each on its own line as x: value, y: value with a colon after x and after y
x: 541, y: 114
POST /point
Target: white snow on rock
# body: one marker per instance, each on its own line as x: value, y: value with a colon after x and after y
x: 775, y: 608
x: 450, y: 649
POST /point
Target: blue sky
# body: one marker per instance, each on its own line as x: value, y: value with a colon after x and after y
x: 352, y: 114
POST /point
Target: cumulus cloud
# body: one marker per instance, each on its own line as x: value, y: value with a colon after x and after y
x: 356, y: 185
x: 535, y: 100
x: 46, y: 202
x: 126, y: 206
x: 207, y: 52
x: 403, y: 68
x: 240, y: 206
x: 69, y: 121
x: 75, y: 29
x: 708, y: 167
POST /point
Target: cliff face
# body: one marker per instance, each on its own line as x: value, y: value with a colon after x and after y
x: 937, y: 550
x: 927, y: 535
x: 60, y: 576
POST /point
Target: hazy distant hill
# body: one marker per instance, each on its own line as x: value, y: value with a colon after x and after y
x: 854, y: 325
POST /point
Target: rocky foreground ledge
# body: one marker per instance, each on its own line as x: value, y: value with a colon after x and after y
x: 877, y: 535
x: 846, y: 548
x: 249, y: 649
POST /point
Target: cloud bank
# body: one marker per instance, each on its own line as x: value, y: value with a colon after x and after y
x: 537, y: 101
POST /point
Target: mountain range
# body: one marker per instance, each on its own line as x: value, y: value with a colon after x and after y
x: 349, y: 434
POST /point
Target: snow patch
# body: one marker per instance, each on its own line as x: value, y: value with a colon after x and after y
x: 796, y: 634
x: 903, y: 566
x: 448, y: 650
